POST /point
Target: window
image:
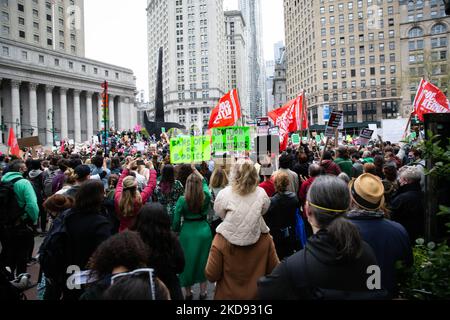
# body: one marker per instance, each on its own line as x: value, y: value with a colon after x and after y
x: 389, y: 109
x: 95, y: 70
x: 57, y: 62
x: 70, y: 64
x: 22, y: 34
x: 415, y: 32
x: 5, y: 51
x: 83, y: 68
x: 438, y: 28
x: 41, y: 59
x: 24, y: 55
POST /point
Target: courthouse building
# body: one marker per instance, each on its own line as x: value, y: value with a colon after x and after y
x: 48, y: 87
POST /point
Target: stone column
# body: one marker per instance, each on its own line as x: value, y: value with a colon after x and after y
x: 49, y: 115
x: 1, y: 136
x: 112, y: 120
x: 359, y: 109
x: 64, y: 119
x: 77, y: 115
x: 33, y: 109
x: 15, y: 105
x: 90, y: 121
x: 127, y: 115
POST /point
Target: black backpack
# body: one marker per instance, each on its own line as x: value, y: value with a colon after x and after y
x: 53, y: 253
x: 11, y: 210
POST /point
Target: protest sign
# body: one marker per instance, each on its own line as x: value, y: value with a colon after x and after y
x: 262, y: 124
x: 232, y: 139
x: 187, y: 149
x: 393, y: 129
x: 28, y: 142
x: 330, y: 132
x: 335, y: 119
x: 365, y: 136
x: 295, y: 139
x: 274, y: 131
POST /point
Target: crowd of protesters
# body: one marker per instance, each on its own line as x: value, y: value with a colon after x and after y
x: 143, y: 228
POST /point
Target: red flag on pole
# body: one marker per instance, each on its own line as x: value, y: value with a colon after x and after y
x: 227, y: 112
x: 429, y: 99
x: 12, y: 143
x: 288, y: 119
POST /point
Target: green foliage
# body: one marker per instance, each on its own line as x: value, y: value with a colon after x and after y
x: 440, y: 157
x: 429, y: 277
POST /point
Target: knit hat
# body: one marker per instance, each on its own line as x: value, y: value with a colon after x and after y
x: 367, y: 192
x: 58, y: 203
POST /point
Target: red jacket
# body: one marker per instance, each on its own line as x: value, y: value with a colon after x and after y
x: 126, y: 223
x: 269, y: 187
x: 304, y: 190
x: 330, y: 167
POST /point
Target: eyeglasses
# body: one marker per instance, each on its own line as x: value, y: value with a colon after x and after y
x: 138, y: 272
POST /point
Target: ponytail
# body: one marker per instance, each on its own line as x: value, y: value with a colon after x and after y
x: 347, y: 238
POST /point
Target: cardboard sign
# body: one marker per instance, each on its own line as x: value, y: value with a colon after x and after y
x: 28, y: 142
x: 233, y: 139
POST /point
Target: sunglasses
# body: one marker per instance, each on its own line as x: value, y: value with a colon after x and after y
x: 138, y: 272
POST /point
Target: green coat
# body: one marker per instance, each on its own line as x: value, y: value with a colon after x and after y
x: 195, y: 239
x: 26, y: 197
x: 346, y: 166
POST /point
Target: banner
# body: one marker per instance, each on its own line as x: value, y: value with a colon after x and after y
x: 429, y: 99
x: 290, y: 118
x: 187, y: 149
x: 233, y: 139
x: 227, y: 112
x: 12, y: 144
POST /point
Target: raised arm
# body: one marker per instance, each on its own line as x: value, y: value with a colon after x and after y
x: 148, y: 191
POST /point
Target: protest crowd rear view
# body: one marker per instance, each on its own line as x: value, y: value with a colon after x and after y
x: 306, y: 216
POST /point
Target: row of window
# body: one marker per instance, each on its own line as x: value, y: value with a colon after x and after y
x: 56, y: 61
x: 362, y: 50
x: 373, y: 83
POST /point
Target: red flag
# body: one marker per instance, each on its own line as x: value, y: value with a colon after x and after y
x: 12, y: 143
x: 227, y: 112
x: 288, y: 119
x: 63, y: 147
x: 429, y: 99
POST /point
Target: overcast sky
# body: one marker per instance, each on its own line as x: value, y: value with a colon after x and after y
x: 116, y: 32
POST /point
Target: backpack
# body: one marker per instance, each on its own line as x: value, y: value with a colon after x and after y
x: 48, y: 181
x: 53, y: 255
x: 11, y: 210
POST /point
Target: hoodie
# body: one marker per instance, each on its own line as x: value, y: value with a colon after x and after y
x: 26, y: 197
x: 318, y: 266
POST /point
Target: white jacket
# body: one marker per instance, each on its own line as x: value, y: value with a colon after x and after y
x: 242, y: 216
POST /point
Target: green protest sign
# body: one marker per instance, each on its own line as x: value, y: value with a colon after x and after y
x: 234, y: 139
x: 295, y: 139
x: 318, y: 139
x: 186, y: 149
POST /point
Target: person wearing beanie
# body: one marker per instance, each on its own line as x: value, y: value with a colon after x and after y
x: 389, y: 240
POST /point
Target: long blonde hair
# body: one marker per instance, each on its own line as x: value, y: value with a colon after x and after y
x: 194, y: 194
x: 129, y: 197
x: 219, y: 178
x: 244, y: 177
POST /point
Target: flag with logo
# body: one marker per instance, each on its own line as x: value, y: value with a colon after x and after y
x: 12, y: 143
x: 290, y: 118
x: 429, y: 99
x: 227, y: 112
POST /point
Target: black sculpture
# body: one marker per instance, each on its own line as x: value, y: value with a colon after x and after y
x: 156, y: 127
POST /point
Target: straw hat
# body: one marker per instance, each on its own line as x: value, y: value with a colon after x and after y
x: 58, y: 203
x: 367, y: 192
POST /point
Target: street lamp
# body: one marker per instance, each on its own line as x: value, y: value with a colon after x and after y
x: 51, y: 116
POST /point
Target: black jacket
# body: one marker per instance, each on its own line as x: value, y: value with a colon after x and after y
x: 316, y: 268
x: 302, y: 169
x: 281, y: 219
x: 86, y: 230
x: 408, y: 209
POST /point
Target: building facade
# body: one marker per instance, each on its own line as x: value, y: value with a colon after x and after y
x: 346, y: 56
x: 236, y: 50
x: 425, y: 47
x: 192, y: 35
x: 55, y: 93
x: 270, y: 73
x: 279, y: 89
x: 55, y: 25
x: 251, y: 10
